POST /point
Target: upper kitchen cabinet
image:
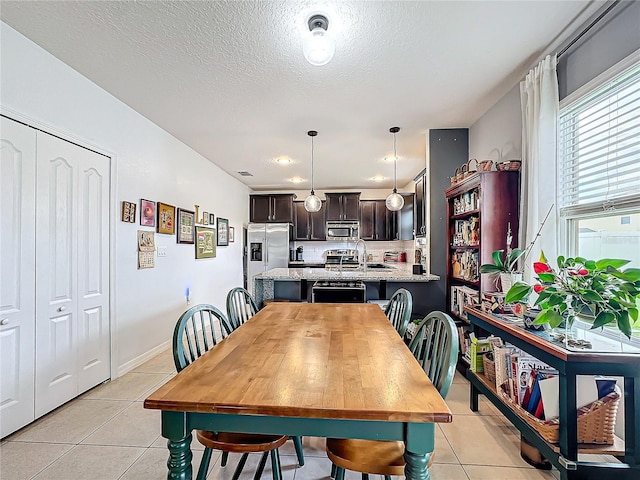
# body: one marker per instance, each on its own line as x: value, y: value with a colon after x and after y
x: 375, y: 220
x: 343, y: 206
x: 402, y: 224
x: 309, y: 225
x: 275, y: 208
x: 419, y: 214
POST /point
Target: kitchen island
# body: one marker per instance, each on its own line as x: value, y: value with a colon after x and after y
x: 295, y: 284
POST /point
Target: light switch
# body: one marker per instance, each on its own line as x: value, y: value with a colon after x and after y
x: 162, y: 251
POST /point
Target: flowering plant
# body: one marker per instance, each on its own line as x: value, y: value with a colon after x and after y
x: 580, y: 287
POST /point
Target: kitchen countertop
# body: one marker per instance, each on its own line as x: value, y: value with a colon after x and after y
x: 399, y: 273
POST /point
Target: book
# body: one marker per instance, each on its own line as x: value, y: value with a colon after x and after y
x: 524, y: 365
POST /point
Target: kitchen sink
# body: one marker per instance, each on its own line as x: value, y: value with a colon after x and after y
x: 378, y: 266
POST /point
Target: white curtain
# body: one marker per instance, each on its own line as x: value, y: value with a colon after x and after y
x: 540, y: 108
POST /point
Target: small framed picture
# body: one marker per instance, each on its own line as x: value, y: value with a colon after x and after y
x: 129, y: 212
x: 205, y: 242
x: 166, y: 218
x: 185, y: 226
x: 205, y: 218
x: 212, y: 219
x: 223, y: 231
x: 147, y: 213
x: 232, y: 234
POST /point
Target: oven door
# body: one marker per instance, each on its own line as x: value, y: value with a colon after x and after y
x: 342, y: 294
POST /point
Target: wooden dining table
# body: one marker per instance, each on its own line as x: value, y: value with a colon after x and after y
x: 305, y: 369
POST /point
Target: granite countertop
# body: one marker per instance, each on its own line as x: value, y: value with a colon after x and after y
x: 399, y: 273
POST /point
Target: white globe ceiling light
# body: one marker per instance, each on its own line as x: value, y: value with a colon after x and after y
x: 318, y: 46
x: 312, y: 203
x: 394, y: 201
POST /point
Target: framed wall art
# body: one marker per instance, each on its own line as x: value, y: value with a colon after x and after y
x: 147, y: 213
x: 212, y: 219
x: 232, y: 234
x: 129, y: 212
x: 205, y: 218
x: 166, y: 218
x: 223, y: 232
x: 205, y: 242
x: 185, y: 225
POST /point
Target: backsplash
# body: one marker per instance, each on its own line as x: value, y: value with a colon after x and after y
x: 314, y: 251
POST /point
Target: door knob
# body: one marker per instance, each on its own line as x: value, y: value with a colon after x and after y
x: 62, y: 309
x: 4, y: 321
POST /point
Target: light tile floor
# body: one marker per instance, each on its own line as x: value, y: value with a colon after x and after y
x: 106, y: 434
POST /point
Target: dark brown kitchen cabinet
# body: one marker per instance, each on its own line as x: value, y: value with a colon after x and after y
x: 420, y: 213
x: 375, y: 220
x: 275, y: 208
x: 402, y: 221
x: 309, y: 225
x: 343, y: 206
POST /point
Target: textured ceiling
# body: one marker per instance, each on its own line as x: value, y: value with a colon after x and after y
x: 229, y: 78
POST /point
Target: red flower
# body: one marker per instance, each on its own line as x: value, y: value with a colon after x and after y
x: 538, y: 288
x: 583, y: 271
x: 540, y: 267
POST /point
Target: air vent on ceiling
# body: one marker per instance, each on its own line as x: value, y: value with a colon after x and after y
x: 246, y: 174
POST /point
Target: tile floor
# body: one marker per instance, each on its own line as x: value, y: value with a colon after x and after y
x: 106, y: 434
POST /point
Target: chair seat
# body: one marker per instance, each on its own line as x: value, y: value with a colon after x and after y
x: 240, y: 442
x: 367, y: 456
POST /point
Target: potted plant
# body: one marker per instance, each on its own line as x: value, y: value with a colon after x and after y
x: 506, y: 266
x: 597, y: 289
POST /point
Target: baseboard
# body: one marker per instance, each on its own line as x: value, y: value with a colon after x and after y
x: 140, y: 359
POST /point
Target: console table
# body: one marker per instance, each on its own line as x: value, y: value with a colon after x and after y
x: 564, y: 456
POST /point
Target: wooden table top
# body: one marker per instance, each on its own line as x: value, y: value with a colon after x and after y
x: 310, y: 360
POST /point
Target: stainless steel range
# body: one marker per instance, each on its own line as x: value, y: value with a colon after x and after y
x: 338, y: 291
x: 342, y: 258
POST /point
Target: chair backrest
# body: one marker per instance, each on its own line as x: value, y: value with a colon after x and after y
x: 398, y: 310
x: 435, y: 345
x: 240, y: 307
x: 198, y: 330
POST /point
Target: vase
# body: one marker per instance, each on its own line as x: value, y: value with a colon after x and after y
x: 507, y: 279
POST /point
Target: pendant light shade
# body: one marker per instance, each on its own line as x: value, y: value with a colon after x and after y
x: 318, y: 46
x: 394, y: 201
x: 312, y: 203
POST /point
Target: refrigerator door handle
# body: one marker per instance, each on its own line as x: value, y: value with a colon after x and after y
x: 266, y: 253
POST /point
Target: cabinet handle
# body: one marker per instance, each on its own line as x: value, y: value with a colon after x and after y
x: 4, y: 321
x: 62, y: 309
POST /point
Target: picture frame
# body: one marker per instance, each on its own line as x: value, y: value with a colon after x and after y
x: 205, y: 242
x: 232, y: 234
x: 205, y: 218
x: 166, y: 218
x: 185, y: 226
x: 223, y: 232
x: 129, y: 212
x: 212, y: 219
x: 147, y: 213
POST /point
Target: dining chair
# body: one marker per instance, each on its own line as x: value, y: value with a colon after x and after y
x: 241, y: 307
x: 198, y: 330
x: 398, y: 310
x: 435, y: 346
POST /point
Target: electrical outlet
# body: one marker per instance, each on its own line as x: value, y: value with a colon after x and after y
x: 162, y: 251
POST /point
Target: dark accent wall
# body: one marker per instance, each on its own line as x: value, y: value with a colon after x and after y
x: 608, y: 42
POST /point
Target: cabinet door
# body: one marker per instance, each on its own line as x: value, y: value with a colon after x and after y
x: 367, y: 219
x: 383, y: 221
x: 351, y: 206
x: 318, y: 224
x: 419, y: 213
x: 260, y: 208
x: 282, y: 208
x: 301, y: 228
x: 17, y: 257
x: 334, y: 206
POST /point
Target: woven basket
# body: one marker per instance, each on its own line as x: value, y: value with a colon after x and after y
x: 489, y: 368
x: 596, y: 421
x: 485, y: 165
x: 509, y: 166
x: 456, y: 174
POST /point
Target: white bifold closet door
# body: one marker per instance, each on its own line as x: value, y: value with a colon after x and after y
x: 72, y: 271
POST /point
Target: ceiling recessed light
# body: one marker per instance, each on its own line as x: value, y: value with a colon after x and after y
x: 296, y: 180
x: 390, y: 158
x: 283, y: 160
x: 378, y: 178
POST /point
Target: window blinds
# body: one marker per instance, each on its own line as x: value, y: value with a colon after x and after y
x: 599, y: 148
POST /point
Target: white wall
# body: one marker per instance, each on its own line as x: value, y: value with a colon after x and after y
x: 150, y: 164
x: 497, y: 135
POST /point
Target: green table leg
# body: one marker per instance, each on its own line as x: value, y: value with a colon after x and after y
x: 174, y: 429
x: 416, y: 467
x: 419, y: 444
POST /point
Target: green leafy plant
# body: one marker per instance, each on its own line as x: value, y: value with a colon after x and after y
x: 598, y: 289
x: 503, y: 262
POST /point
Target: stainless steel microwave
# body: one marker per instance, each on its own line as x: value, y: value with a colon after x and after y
x: 349, y: 231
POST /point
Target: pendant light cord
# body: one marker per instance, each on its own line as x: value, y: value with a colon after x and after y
x: 312, y: 192
x: 395, y: 165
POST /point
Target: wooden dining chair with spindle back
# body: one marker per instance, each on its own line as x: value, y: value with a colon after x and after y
x: 198, y: 330
x: 435, y: 346
x: 241, y: 307
x: 398, y: 310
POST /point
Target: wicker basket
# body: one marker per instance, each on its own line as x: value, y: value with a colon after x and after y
x: 596, y: 421
x: 485, y: 165
x: 509, y: 166
x: 489, y: 368
x: 455, y: 177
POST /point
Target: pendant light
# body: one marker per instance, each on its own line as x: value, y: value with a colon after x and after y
x: 318, y: 46
x: 312, y: 203
x: 394, y: 201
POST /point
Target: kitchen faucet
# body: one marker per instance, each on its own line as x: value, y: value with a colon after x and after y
x: 364, y: 253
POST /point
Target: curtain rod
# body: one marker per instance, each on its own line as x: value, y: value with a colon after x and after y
x: 588, y: 27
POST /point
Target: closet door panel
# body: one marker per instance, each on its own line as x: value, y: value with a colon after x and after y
x: 17, y: 267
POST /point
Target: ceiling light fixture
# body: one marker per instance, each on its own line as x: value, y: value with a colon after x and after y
x: 394, y: 201
x: 312, y: 203
x: 296, y: 180
x: 377, y: 178
x: 283, y: 160
x: 318, y: 46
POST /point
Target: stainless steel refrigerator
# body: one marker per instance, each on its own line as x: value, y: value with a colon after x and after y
x: 269, y: 245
